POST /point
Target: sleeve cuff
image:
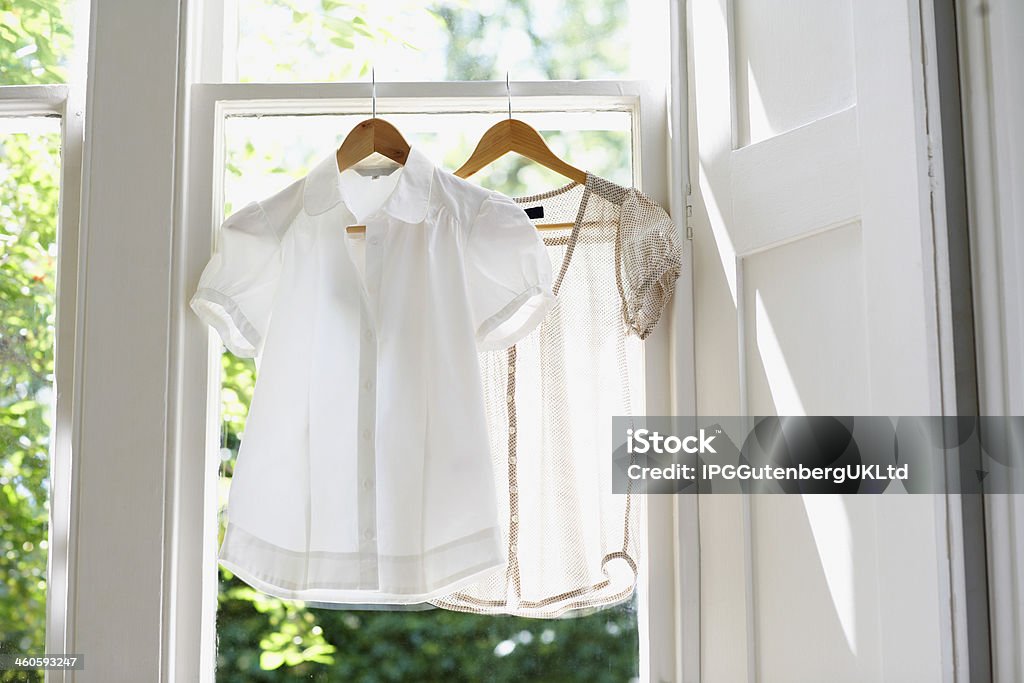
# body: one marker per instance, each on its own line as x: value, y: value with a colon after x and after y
x: 515, y: 320
x: 223, y: 314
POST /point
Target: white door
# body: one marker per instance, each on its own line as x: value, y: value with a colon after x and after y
x: 815, y: 293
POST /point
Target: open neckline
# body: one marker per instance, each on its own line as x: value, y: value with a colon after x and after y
x: 570, y: 245
x: 344, y: 183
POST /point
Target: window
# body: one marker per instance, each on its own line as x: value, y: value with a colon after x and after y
x: 261, y: 636
x: 241, y: 68
x: 39, y: 187
x: 439, y: 40
x: 267, y: 112
x: 29, y: 178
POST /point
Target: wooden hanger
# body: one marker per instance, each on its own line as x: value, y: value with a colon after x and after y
x: 370, y: 136
x: 513, y: 135
x: 516, y: 136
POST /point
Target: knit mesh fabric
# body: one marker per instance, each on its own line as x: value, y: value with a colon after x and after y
x: 573, y: 546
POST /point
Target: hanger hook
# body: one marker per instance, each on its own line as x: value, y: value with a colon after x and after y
x: 373, y: 92
x: 508, y: 94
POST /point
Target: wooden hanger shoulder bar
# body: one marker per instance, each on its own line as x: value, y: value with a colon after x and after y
x: 513, y: 135
x: 361, y: 229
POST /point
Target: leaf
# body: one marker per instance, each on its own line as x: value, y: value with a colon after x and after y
x: 269, y: 660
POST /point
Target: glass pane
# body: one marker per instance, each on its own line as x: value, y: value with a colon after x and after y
x: 265, y: 153
x: 411, y: 40
x: 260, y: 638
x: 29, y: 175
x: 35, y: 41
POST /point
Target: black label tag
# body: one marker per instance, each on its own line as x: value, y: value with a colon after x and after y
x: 534, y: 211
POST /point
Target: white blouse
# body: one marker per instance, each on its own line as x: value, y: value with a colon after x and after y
x: 364, y: 475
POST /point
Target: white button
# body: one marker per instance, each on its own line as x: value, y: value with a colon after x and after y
x: 512, y: 460
x: 513, y: 490
x: 367, y: 484
x: 368, y: 534
x: 367, y: 385
x: 366, y: 433
x: 369, y: 335
x: 511, y: 430
x: 515, y: 518
x: 375, y: 240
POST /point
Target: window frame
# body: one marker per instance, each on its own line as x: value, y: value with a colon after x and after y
x: 136, y: 365
x: 65, y: 102
x: 211, y: 104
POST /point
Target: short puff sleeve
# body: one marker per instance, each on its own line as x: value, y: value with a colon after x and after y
x: 236, y: 289
x: 508, y: 274
x: 650, y: 258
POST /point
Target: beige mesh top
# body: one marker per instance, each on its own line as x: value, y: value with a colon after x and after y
x: 572, y: 545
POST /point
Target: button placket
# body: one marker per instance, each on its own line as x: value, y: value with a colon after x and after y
x: 366, y: 454
x: 375, y: 246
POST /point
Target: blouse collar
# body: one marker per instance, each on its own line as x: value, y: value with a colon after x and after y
x: 408, y: 202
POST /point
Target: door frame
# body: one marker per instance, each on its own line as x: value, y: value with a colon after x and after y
x: 991, y: 48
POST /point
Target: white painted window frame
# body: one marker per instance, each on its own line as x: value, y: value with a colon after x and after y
x: 646, y: 104
x: 64, y: 102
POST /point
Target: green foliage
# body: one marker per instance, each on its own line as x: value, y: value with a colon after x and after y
x: 581, y: 39
x: 261, y: 639
x: 322, y: 40
x: 35, y: 41
x: 28, y: 202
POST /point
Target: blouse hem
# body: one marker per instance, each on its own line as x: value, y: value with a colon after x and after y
x: 240, y: 551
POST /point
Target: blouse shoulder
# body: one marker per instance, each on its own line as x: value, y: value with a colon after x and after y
x: 460, y: 196
x: 280, y: 209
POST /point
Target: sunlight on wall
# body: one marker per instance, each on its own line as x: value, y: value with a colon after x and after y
x: 784, y: 392
x: 759, y: 125
x: 833, y: 540
x: 726, y: 250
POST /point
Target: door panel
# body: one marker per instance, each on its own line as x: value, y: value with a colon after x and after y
x: 815, y: 294
x: 791, y: 293
x: 794, y: 65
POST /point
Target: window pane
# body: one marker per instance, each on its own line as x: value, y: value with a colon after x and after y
x: 411, y: 40
x: 264, y: 153
x: 29, y: 174
x: 262, y: 638
x: 35, y: 41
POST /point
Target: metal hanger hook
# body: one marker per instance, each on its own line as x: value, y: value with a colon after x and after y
x: 508, y: 94
x: 373, y: 92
